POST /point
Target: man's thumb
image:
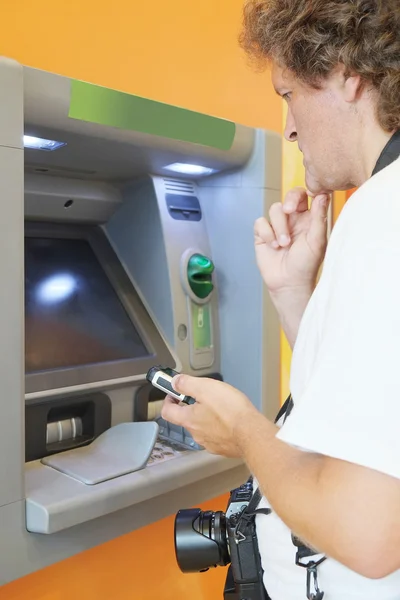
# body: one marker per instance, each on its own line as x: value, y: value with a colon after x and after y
x: 192, y: 386
x: 319, y: 217
x: 184, y: 384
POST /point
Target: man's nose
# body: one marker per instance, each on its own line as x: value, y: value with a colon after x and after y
x: 290, y: 132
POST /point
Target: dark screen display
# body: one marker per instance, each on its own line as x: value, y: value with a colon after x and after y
x: 73, y: 316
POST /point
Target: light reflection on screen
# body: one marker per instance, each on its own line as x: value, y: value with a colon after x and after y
x: 56, y: 288
x: 73, y: 315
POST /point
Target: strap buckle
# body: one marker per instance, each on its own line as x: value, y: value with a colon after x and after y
x: 312, y: 575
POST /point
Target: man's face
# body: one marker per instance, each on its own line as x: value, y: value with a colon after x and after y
x: 321, y: 123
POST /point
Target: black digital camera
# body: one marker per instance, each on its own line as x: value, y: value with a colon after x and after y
x: 205, y: 539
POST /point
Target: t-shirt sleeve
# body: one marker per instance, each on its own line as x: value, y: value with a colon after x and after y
x: 350, y: 406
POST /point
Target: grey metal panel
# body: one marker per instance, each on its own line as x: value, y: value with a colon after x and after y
x: 136, y: 234
x: 250, y: 334
x: 55, y: 501
x: 264, y: 170
x: 239, y: 283
x: 182, y: 238
x: 60, y: 199
x: 120, y: 450
x: 26, y: 552
x: 11, y: 113
x: 122, y: 404
x: 11, y: 325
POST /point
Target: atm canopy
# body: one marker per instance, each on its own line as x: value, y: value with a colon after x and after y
x: 113, y: 136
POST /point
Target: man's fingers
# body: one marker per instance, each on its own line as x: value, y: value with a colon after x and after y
x: 263, y: 232
x: 173, y: 412
x: 296, y: 200
x: 196, y: 387
x: 275, y: 234
x: 280, y: 225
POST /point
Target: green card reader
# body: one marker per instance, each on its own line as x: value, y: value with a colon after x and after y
x: 197, y: 279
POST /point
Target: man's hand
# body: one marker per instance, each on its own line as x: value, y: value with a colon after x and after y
x: 215, y: 418
x: 290, y: 248
x: 346, y: 511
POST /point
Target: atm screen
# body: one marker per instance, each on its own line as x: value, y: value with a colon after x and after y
x: 73, y: 315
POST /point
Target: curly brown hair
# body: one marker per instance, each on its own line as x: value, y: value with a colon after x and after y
x: 312, y: 37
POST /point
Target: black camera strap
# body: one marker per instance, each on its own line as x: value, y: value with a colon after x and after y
x: 285, y: 410
x: 248, y: 515
x: 389, y: 154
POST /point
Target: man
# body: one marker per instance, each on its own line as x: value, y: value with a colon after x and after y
x: 331, y: 471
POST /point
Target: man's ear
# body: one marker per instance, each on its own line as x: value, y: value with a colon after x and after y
x: 349, y: 83
x: 352, y: 84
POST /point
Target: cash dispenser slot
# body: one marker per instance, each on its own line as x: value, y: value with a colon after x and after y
x: 64, y: 424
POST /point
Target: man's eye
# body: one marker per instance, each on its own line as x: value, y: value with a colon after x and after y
x: 286, y: 96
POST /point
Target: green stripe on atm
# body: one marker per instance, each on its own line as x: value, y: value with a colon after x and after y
x: 103, y: 106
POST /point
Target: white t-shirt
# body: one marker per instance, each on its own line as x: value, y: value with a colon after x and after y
x: 345, y: 377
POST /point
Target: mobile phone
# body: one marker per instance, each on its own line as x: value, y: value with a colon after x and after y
x: 161, y: 377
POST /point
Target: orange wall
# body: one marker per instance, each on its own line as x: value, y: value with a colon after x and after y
x: 138, y: 566
x: 339, y: 200
x: 180, y: 52
x: 185, y: 54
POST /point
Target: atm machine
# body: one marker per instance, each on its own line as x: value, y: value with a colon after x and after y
x: 121, y: 249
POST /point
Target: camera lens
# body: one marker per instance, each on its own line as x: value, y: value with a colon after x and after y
x: 200, y: 540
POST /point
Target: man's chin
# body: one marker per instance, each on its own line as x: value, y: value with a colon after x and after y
x: 314, y: 187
